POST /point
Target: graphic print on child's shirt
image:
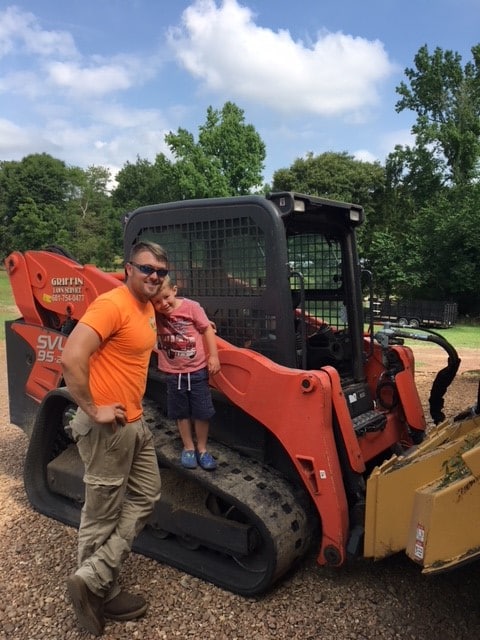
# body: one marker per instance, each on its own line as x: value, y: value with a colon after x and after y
x: 177, y: 343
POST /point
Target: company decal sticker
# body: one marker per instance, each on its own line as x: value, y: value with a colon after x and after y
x: 419, y: 551
x: 66, y: 290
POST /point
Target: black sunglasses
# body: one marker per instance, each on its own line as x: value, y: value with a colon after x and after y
x: 147, y: 270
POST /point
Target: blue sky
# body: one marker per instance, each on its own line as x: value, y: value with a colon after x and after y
x: 100, y: 82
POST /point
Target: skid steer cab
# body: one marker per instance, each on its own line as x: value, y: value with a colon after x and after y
x: 310, y: 406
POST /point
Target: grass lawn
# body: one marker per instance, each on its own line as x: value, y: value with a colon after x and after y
x: 5, y: 292
x: 462, y: 336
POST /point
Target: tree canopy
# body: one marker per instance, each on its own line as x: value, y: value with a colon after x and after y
x: 432, y: 188
x: 446, y: 98
x: 227, y: 159
x: 43, y: 201
x: 337, y: 176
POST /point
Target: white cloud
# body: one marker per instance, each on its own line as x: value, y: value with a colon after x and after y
x: 11, y: 134
x: 89, y: 81
x: 364, y: 155
x: 99, y: 76
x: 21, y: 29
x: 224, y: 48
x: 16, y: 141
x: 77, y: 105
x: 52, y: 62
x: 65, y: 107
x: 108, y: 141
x: 23, y: 83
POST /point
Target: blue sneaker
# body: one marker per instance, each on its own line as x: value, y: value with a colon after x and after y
x: 188, y: 459
x: 206, y: 461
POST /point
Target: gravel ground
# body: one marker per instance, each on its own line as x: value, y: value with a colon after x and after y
x: 389, y: 599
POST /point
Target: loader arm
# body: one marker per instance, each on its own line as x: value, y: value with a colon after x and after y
x: 51, y: 291
x: 50, y: 288
x: 296, y: 406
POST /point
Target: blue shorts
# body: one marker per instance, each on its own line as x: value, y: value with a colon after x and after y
x: 193, y: 399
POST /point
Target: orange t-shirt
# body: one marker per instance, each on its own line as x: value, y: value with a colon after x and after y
x: 127, y: 329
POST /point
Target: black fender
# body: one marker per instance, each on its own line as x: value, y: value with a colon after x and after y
x: 47, y: 440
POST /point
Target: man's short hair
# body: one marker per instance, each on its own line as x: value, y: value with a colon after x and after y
x: 152, y: 247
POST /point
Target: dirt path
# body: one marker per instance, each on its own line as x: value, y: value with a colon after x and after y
x: 462, y: 392
x: 432, y: 358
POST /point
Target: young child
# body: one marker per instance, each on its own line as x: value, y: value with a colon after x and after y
x: 187, y: 354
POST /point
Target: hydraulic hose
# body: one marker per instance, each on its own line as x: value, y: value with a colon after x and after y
x: 444, y: 377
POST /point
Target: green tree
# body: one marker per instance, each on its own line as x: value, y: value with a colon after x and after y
x: 227, y: 160
x: 40, y: 177
x: 89, y: 188
x: 94, y: 225
x: 45, y: 202
x: 413, y: 181
x: 237, y: 146
x: 198, y: 175
x: 446, y: 98
x: 338, y: 176
x: 431, y: 192
x: 33, y: 225
x: 143, y: 183
x: 35, y: 186
x: 448, y: 236
x: 391, y: 256
x: 413, y: 176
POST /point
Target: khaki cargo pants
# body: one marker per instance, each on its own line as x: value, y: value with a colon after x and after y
x: 122, y: 485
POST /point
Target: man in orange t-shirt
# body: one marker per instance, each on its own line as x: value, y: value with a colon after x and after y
x: 105, y: 364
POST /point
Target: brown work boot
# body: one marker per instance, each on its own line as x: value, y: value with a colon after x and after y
x: 88, y: 606
x: 125, y: 606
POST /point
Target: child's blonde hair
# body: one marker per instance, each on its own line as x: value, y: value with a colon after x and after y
x: 167, y: 283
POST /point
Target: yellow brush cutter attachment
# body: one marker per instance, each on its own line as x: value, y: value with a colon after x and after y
x: 428, y: 501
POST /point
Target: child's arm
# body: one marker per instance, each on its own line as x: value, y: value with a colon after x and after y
x: 213, y: 363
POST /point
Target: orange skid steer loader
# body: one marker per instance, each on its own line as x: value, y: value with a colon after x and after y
x: 319, y: 432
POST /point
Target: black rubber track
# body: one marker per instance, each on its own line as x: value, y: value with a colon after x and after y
x: 248, y: 492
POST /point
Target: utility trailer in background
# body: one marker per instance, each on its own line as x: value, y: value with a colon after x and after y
x: 415, y: 313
